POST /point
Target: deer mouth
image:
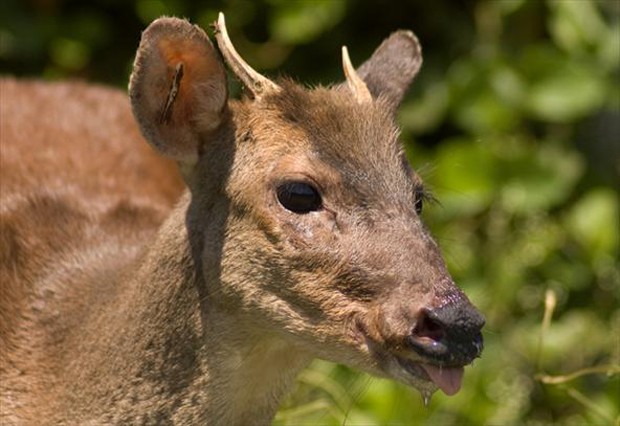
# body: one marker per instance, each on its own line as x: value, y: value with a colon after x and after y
x: 425, y: 375
x: 448, y: 379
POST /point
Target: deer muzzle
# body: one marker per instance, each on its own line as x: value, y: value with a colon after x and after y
x: 431, y: 347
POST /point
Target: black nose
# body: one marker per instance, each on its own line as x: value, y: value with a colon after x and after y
x: 449, y: 334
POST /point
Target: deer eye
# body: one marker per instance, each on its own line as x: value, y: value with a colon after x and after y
x: 299, y: 197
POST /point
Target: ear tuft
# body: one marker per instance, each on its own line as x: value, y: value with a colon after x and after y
x: 178, y: 87
x: 392, y: 67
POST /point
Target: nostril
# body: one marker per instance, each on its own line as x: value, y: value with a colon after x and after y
x: 428, y: 327
x: 449, y: 334
x: 428, y: 337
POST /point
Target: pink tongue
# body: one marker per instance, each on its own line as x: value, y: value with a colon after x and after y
x: 447, y: 379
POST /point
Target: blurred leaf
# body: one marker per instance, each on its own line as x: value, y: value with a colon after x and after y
x: 426, y: 113
x: 149, y: 10
x: 593, y: 221
x: 484, y: 113
x: 483, y: 96
x: 576, y: 25
x: 609, y: 49
x: 566, y: 97
x: 538, y: 179
x: 298, y: 22
x: 460, y: 246
x: 303, y: 412
x: 511, y: 6
x: 560, y: 88
x: 8, y: 43
x: 507, y: 84
x: 464, y: 177
x: 578, y: 331
x: 510, y: 390
x: 70, y: 54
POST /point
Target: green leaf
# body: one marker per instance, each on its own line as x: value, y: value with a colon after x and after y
x: 70, y: 54
x: 149, y: 10
x: 561, y: 89
x: 593, y: 221
x: 485, y: 112
x: 538, y: 178
x: 566, y: 96
x: 464, y: 177
x: 576, y: 25
x: 297, y: 22
x: 485, y: 96
x: 426, y: 113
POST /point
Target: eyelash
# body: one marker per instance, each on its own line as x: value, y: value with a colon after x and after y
x: 422, y: 196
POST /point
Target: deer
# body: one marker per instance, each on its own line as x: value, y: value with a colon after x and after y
x: 192, y: 286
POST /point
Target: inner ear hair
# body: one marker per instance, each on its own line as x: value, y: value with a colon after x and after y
x: 166, y: 111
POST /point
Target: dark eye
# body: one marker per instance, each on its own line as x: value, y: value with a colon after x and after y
x: 419, y: 200
x: 299, y: 197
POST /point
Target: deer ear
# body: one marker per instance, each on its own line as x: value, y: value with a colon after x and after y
x: 178, y: 88
x: 392, y: 67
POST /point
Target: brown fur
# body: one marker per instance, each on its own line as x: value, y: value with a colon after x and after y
x: 110, y: 316
x: 77, y: 185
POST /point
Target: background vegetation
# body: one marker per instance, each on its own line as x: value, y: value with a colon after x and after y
x: 514, y: 122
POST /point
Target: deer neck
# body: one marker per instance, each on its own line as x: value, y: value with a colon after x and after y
x: 176, y: 353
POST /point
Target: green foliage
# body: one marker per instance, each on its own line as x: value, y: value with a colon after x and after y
x: 300, y: 22
x: 513, y: 123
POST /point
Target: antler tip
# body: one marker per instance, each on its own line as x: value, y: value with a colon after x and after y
x: 346, y: 59
x: 356, y: 84
x: 256, y: 83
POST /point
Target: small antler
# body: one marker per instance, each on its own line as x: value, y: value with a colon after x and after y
x: 255, y: 82
x: 356, y: 84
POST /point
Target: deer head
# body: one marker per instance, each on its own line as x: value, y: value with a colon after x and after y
x: 304, y: 218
